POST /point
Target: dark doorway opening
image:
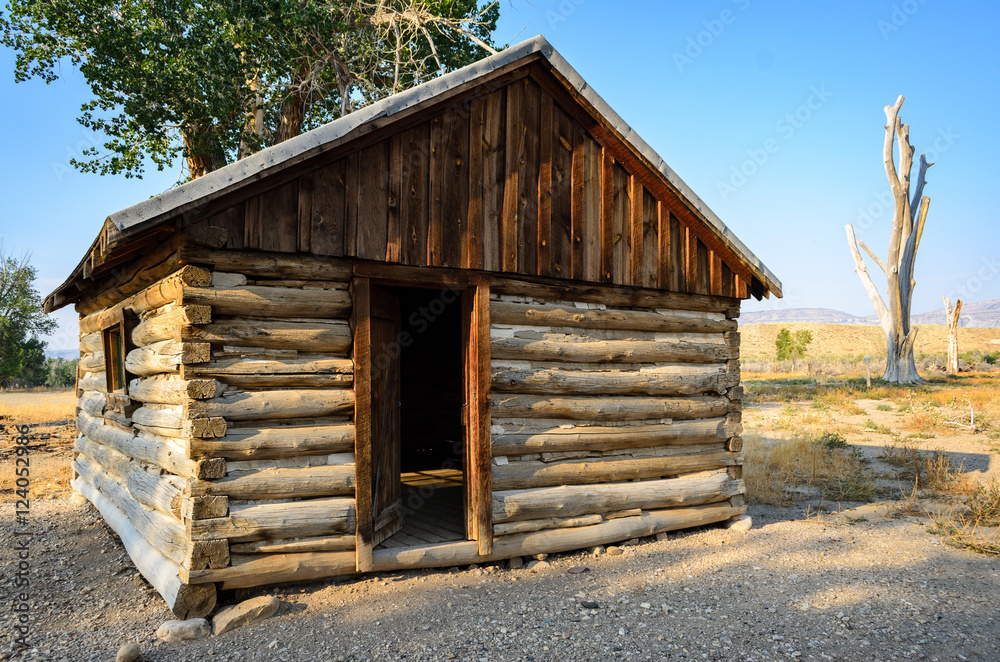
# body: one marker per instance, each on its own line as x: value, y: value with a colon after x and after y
x: 432, y: 439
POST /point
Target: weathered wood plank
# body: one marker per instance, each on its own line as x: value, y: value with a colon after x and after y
x: 494, y: 157
x: 372, y: 201
x: 607, y: 215
x: 527, y: 474
x: 513, y: 204
x: 651, y: 381
x: 279, y: 218
x: 293, y: 483
x: 530, y: 165
x: 260, y: 264
x: 449, y: 188
x: 302, y: 335
x: 394, y: 240
x: 545, y: 148
x: 168, y: 325
x: 610, y: 351
x: 295, y: 545
x: 415, y: 209
x: 610, y: 408
x: 295, y: 519
x: 597, y: 437
x: 622, y: 297
x: 292, y: 403
x: 172, y: 389
x: 271, y: 301
x: 650, y: 242
x: 327, y: 211
x: 561, y: 194
x: 165, y: 356
x: 277, y: 441
x: 576, y: 500
x: 621, y: 227
x: 553, y: 315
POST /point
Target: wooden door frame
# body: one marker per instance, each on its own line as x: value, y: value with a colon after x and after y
x: 475, y: 290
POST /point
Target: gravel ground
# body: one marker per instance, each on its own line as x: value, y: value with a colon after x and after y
x: 879, y: 589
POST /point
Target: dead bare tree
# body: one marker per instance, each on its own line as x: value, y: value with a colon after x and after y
x: 904, y: 240
x: 952, y: 333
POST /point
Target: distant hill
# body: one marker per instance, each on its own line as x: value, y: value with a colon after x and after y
x: 813, y: 315
x: 68, y: 354
x: 976, y: 315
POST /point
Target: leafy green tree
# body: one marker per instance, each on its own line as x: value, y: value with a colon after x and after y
x: 21, y: 319
x: 34, y: 367
x: 216, y: 80
x: 792, y: 345
x: 60, y: 372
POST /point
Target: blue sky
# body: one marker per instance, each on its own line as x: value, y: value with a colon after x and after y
x: 791, y: 93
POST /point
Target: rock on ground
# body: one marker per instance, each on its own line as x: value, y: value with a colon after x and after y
x: 189, y: 630
x: 244, y: 613
x: 128, y: 653
x: 740, y: 523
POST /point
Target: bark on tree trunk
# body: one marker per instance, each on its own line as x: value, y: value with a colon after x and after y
x: 293, y: 111
x: 202, y: 150
x: 900, y: 367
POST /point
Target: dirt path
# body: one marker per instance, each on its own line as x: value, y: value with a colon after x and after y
x: 880, y: 589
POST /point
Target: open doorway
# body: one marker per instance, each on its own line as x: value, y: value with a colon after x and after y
x: 431, y: 433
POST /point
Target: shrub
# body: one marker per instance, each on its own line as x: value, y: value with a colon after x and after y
x: 832, y: 440
x: 792, y: 345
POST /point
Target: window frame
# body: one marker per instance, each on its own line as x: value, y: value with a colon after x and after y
x: 115, y: 327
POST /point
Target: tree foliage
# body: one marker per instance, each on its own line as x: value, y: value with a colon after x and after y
x: 21, y: 319
x: 792, y: 345
x: 60, y: 372
x: 216, y: 80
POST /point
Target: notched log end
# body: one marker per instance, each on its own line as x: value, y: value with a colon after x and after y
x: 210, y: 469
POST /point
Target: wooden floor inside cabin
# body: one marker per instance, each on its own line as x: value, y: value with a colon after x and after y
x: 438, y: 518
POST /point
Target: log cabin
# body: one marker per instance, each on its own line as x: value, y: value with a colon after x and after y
x: 476, y: 320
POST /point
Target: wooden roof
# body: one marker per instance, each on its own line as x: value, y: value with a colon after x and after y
x: 513, y: 164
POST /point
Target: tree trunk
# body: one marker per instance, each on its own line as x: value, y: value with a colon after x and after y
x: 293, y: 110
x: 952, y: 333
x: 900, y: 367
x: 904, y: 240
x: 203, y: 151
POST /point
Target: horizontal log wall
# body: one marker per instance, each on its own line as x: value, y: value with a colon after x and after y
x: 280, y: 348
x: 138, y: 476
x: 610, y: 406
x: 238, y: 427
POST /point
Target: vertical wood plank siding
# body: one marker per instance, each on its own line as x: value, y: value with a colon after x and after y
x: 513, y: 179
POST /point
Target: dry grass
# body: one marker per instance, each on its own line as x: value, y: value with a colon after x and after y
x: 37, y: 407
x: 976, y: 525
x: 49, y: 415
x: 778, y: 470
x: 939, y: 407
